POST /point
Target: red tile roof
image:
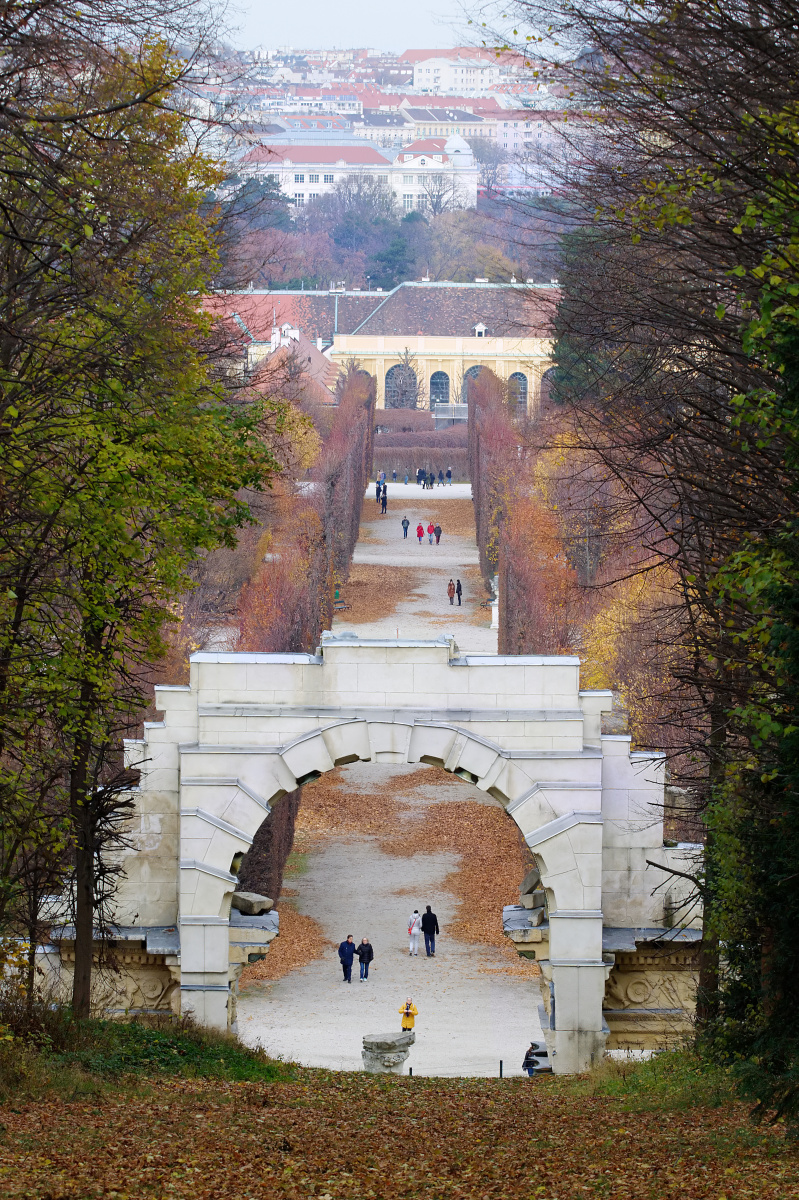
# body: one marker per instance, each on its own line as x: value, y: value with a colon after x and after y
x: 434, y: 309
x: 426, y: 146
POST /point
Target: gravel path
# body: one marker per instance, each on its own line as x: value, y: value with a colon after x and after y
x: 426, y: 611
x: 471, y: 1014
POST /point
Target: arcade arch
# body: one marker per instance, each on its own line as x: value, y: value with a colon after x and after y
x: 439, y: 388
x: 469, y: 376
x: 402, y: 387
x: 517, y: 387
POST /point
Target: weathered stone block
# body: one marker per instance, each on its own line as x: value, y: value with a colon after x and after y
x: 251, y: 904
x: 385, y: 1053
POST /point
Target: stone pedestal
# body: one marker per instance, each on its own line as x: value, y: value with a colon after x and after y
x: 385, y: 1053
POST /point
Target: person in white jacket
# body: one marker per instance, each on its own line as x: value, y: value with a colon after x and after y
x: 414, y: 929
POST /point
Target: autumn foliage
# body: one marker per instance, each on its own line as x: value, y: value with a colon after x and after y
x: 307, y: 552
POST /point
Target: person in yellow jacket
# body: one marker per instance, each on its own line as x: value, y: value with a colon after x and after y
x: 408, y: 1012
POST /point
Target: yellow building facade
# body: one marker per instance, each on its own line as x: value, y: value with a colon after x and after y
x: 445, y: 363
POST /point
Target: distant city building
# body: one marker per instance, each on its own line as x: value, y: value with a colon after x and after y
x: 463, y: 76
x: 437, y: 174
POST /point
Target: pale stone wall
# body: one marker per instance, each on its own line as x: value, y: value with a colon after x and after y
x: 251, y: 727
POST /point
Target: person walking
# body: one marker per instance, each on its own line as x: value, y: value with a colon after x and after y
x: 377, y: 491
x: 418, y: 476
x: 458, y: 591
x: 430, y: 929
x: 384, y: 500
x: 406, y: 478
x: 438, y: 531
x: 440, y: 478
x: 365, y: 955
x: 414, y: 929
x: 451, y: 591
x: 449, y: 476
x: 408, y: 1012
x: 431, y: 481
x: 430, y: 531
x: 346, y: 953
x: 394, y: 476
x: 405, y: 527
x: 420, y: 532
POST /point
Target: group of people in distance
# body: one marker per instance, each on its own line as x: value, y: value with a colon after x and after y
x: 428, y: 481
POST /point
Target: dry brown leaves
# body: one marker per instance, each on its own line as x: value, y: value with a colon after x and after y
x: 373, y: 592
x: 351, y: 1136
x: 456, y: 517
x: 301, y: 941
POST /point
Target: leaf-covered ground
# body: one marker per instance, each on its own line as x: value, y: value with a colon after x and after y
x: 353, y: 1136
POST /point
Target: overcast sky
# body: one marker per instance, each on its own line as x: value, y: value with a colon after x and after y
x: 383, y: 24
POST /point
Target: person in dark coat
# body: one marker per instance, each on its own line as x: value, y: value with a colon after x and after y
x: 440, y: 478
x: 405, y: 526
x: 431, y: 481
x: 458, y: 590
x: 438, y: 531
x: 377, y: 491
x: 394, y: 476
x: 346, y: 953
x: 384, y: 500
x: 365, y: 955
x: 449, y: 476
x: 430, y: 929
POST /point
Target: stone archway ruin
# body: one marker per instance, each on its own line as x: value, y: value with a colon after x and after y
x: 251, y: 727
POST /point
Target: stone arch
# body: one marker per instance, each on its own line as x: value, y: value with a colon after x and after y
x: 517, y: 387
x: 439, y: 388
x: 226, y: 793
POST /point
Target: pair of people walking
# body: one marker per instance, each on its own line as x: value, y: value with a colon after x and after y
x: 347, y: 951
x: 427, y: 925
x: 454, y: 589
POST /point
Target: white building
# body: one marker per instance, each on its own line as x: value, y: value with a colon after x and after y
x: 431, y: 174
x: 455, y: 76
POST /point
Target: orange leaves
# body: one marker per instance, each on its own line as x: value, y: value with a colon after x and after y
x: 347, y: 1136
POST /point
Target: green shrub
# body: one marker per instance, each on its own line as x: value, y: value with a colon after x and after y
x: 117, y: 1048
x: 676, y: 1079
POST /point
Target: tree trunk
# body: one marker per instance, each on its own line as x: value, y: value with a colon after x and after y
x: 84, y: 908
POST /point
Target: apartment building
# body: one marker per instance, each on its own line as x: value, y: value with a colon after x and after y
x: 424, y: 175
x: 462, y: 76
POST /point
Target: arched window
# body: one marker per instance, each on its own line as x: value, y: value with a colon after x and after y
x: 547, y: 386
x: 402, y: 388
x: 517, y: 387
x: 439, y: 388
x: 471, y: 374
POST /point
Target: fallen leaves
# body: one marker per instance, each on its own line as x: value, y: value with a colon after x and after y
x: 351, y: 1136
x: 373, y: 592
x: 301, y: 941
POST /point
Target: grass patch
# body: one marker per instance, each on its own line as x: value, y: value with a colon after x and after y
x: 94, y: 1055
x: 672, y: 1081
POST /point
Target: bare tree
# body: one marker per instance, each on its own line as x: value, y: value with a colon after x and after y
x: 403, y: 389
x: 443, y: 193
x: 491, y: 158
